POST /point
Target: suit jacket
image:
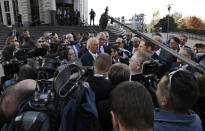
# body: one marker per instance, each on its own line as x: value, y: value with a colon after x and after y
x: 177, y: 65
x: 31, y: 39
x: 165, y: 64
x: 11, y: 33
x: 185, y: 46
x: 106, y: 49
x: 76, y: 49
x: 128, y: 45
x: 102, y: 89
x: 87, y: 59
x: 167, y: 57
x: 100, y: 86
x: 82, y: 51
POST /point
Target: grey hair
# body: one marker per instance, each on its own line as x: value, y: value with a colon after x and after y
x: 90, y: 40
x: 142, y: 56
x: 136, y: 39
x: 189, y: 52
x: 100, y: 33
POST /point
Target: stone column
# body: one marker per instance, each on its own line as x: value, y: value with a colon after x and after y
x: 25, y: 11
x: 11, y: 12
x: 49, y: 9
x: 75, y: 5
x: 41, y: 10
x: 3, y: 13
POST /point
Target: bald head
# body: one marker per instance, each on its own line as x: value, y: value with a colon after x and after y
x: 13, y: 96
x: 69, y: 37
x: 157, y: 38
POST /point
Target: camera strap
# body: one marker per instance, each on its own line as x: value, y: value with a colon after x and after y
x: 41, y: 118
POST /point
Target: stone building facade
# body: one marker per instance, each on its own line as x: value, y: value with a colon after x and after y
x: 42, y: 10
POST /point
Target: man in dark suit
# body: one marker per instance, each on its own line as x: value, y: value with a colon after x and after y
x: 183, y: 41
x: 83, y: 48
x: 169, y: 58
x: 135, y: 42
x: 107, y: 43
x: 127, y: 42
x: 149, y: 48
x: 102, y: 88
x: 14, y: 33
x: 99, y: 83
x: 103, y: 48
x: 26, y: 33
x: 91, y: 55
x: 174, y: 43
x: 181, y: 64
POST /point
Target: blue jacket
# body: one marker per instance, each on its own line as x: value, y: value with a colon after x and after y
x: 78, y: 115
x: 177, y: 65
x: 167, y: 121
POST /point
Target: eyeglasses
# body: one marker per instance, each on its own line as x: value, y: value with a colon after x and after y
x: 171, y: 74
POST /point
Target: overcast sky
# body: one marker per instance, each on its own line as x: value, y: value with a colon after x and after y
x: 127, y: 8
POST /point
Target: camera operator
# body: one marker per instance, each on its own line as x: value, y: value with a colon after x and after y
x: 137, y: 69
x: 26, y: 71
x: 136, y: 61
x: 68, y: 55
x: 176, y: 93
x: 12, y: 97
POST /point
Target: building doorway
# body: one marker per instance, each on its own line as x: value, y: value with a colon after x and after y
x: 65, y: 12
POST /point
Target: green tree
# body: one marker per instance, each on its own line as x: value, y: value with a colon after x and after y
x: 164, y: 22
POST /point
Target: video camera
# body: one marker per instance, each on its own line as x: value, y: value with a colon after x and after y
x: 122, y: 51
x: 44, y: 107
x: 150, y: 77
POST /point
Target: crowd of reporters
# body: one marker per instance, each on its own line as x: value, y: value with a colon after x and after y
x: 136, y: 85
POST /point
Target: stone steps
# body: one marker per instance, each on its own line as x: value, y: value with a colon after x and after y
x: 60, y: 30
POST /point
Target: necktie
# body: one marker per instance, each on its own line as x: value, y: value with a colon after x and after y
x: 75, y: 51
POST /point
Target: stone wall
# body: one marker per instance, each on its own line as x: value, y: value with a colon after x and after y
x: 25, y: 11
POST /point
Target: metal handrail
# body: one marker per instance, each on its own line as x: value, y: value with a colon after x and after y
x: 89, y: 27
